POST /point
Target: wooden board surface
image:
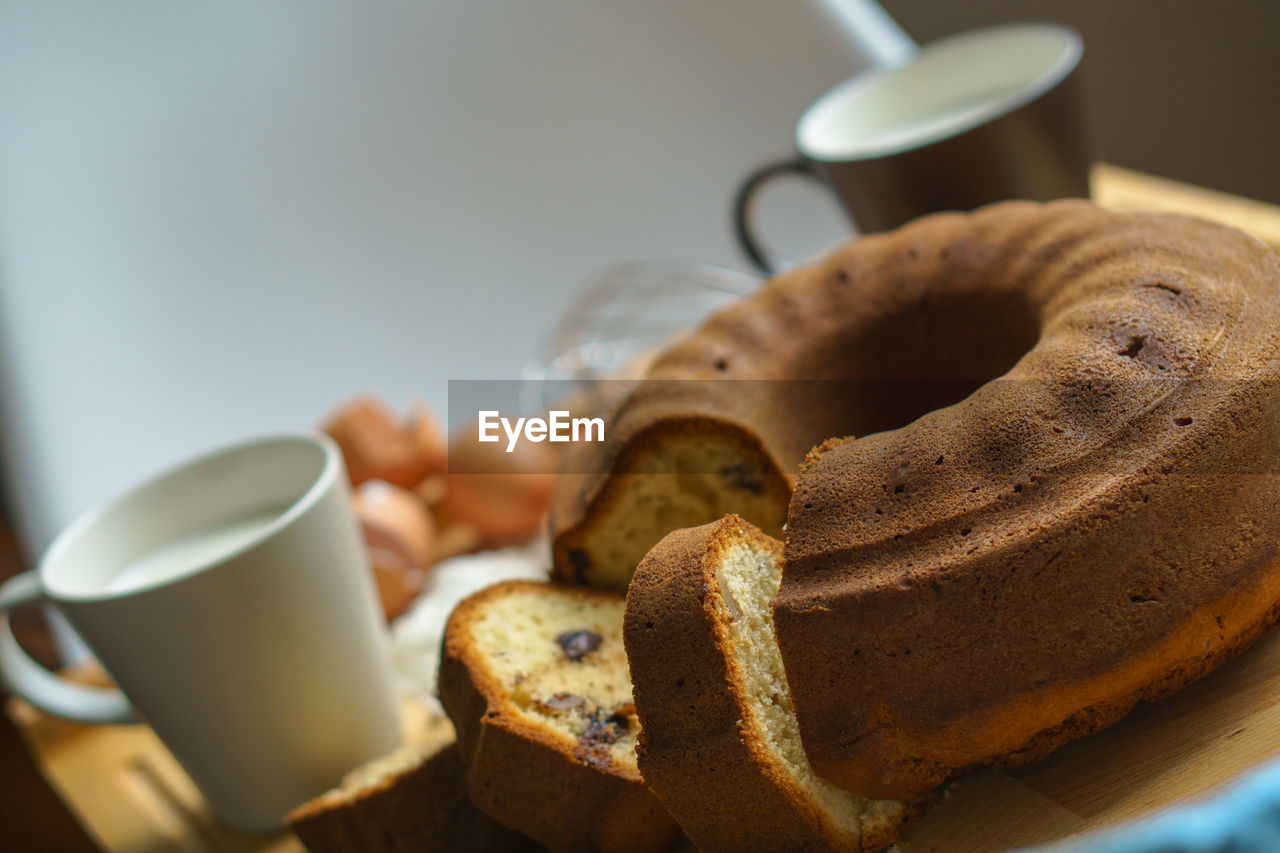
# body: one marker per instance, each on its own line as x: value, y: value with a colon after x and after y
x: 1124, y: 189
x: 131, y: 795
x: 1163, y: 752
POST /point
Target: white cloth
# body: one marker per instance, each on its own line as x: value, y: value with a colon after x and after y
x: 416, y: 636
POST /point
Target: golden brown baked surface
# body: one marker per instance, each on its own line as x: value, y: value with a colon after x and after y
x: 719, y: 743
x: 1060, y: 500
x: 534, y: 677
x: 1098, y: 526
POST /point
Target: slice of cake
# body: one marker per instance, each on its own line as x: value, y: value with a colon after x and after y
x: 720, y: 745
x: 534, y: 677
x: 413, y: 800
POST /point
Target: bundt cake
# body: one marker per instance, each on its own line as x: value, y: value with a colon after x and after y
x: 1062, y: 500
x: 718, y: 739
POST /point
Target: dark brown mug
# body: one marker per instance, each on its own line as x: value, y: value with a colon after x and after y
x: 971, y: 119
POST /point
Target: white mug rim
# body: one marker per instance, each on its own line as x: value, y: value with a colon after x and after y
x: 1072, y: 48
x: 330, y: 470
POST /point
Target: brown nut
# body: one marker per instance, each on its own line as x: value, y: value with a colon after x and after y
x: 432, y: 488
x: 395, y: 520
x: 377, y: 446
x: 433, y: 444
x: 398, y: 582
x: 505, y: 495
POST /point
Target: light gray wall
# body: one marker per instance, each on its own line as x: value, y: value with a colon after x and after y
x: 220, y: 219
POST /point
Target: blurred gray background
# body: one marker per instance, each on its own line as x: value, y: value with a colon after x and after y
x: 1187, y: 89
x: 222, y: 219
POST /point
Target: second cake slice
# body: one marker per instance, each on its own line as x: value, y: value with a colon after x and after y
x: 719, y: 743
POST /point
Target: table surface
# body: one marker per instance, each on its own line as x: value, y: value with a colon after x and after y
x: 132, y: 797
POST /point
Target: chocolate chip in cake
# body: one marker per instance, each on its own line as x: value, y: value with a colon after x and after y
x: 604, y: 728
x: 580, y: 560
x: 562, y: 701
x: 578, y: 644
x: 743, y: 476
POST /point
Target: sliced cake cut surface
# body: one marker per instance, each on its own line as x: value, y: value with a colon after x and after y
x: 668, y: 477
x: 720, y: 745
x: 534, y: 677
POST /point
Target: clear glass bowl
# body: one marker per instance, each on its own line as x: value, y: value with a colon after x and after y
x: 624, y: 315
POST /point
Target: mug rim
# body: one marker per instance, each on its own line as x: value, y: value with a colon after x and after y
x: 1025, y: 93
x: 324, y: 480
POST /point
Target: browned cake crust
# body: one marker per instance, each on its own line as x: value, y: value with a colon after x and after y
x: 570, y: 795
x: 994, y: 567
x: 420, y: 807
x: 702, y: 748
x: 1018, y: 569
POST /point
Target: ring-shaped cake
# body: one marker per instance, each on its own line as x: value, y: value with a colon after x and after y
x: 1062, y: 496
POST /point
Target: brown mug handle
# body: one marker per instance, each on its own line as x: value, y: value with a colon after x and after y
x: 742, y: 206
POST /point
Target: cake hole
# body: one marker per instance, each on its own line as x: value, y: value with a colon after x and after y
x: 912, y: 253
x: 920, y: 356
x: 1017, y: 488
x: 938, y: 461
x: 842, y: 276
x: 899, y: 489
x: 966, y: 531
x: 722, y: 364
x: 1136, y: 343
x: 1183, y: 421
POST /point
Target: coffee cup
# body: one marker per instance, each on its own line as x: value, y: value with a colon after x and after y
x: 231, y: 602
x: 970, y: 119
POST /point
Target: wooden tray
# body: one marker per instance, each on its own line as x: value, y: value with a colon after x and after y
x: 131, y: 795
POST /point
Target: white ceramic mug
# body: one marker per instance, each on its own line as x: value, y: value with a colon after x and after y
x: 231, y: 601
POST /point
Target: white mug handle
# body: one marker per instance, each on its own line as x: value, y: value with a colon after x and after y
x: 39, y: 686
